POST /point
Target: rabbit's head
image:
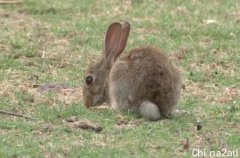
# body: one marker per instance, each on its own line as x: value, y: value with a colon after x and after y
x: 95, y: 89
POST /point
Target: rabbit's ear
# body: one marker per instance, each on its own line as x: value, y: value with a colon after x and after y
x: 116, y: 39
x: 112, y: 38
x: 124, y: 38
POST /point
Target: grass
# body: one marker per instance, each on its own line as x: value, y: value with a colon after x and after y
x: 54, y: 41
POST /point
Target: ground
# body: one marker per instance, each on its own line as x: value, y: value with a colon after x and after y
x: 50, y: 41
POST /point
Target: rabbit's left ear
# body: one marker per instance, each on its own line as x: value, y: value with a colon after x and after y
x: 116, y: 39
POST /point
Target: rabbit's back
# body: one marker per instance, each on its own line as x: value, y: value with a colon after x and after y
x: 145, y: 74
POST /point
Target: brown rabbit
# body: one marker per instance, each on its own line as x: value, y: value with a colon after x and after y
x: 142, y: 81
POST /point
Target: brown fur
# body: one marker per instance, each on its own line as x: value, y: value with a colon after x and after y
x: 144, y: 74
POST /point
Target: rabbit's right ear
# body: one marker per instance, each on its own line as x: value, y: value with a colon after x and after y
x: 112, y: 38
x: 124, y: 38
x: 116, y: 39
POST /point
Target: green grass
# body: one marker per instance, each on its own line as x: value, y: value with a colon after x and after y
x: 54, y: 41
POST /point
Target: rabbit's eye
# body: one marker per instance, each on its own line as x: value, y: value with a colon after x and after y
x: 88, y: 80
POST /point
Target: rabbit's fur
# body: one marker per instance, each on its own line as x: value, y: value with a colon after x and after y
x: 142, y: 81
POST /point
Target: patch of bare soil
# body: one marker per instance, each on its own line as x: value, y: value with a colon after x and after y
x: 21, y: 83
x: 84, y: 124
x: 227, y: 95
x: 124, y: 122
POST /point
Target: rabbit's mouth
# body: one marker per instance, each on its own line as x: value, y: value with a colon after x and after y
x: 95, y: 100
x: 98, y: 100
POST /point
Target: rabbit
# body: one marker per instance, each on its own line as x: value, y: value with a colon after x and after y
x: 143, y: 81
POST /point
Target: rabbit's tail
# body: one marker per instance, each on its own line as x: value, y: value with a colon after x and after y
x: 149, y: 110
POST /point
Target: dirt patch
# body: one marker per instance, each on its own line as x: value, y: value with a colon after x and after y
x: 84, y: 124
x: 124, y: 122
x: 228, y: 95
x: 21, y: 84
